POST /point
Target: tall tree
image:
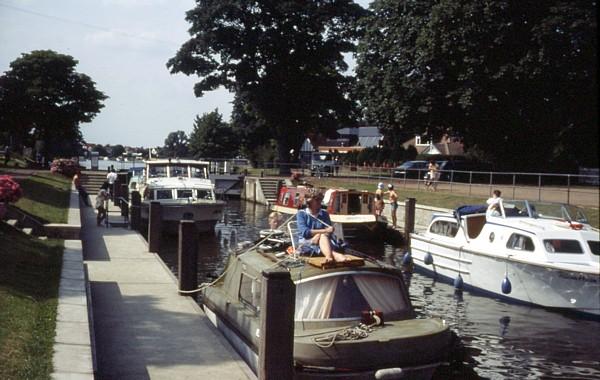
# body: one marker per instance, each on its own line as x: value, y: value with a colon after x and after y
x: 42, y: 97
x: 517, y: 80
x: 282, y: 59
x: 176, y: 145
x: 213, y: 138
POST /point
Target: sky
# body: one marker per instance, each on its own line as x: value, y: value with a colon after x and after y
x: 123, y: 45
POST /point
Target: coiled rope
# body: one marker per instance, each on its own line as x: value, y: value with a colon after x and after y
x: 360, y: 331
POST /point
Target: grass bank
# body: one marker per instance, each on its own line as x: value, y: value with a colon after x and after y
x: 46, y: 196
x: 430, y: 198
x: 29, y: 279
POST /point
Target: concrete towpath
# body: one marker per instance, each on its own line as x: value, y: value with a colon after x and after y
x: 142, y: 328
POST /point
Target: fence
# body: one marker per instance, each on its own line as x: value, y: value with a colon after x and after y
x: 579, y: 189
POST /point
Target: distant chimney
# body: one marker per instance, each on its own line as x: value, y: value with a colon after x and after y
x: 417, y: 140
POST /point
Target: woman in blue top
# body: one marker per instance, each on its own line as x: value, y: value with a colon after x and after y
x: 315, y: 230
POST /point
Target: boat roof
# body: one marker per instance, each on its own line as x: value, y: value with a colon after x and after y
x: 176, y: 161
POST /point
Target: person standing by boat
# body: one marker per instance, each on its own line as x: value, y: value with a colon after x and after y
x: 82, y: 193
x: 393, y: 197
x: 111, y: 177
x: 315, y: 229
x: 494, y: 204
x: 101, y: 199
x: 274, y: 220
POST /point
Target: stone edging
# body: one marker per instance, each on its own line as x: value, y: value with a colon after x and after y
x: 73, y: 353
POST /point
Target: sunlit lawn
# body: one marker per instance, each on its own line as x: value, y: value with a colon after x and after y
x: 44, y: 197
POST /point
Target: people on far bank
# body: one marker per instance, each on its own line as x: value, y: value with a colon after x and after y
x: 493, y: 203
x: 315, y: 229
x: 101, y: 202
x: 393, y: 198
x: 433, y: 175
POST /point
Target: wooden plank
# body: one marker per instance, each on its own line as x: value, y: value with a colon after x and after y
x: 352, y: 261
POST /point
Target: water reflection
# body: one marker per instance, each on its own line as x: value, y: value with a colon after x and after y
x: 498, y: 340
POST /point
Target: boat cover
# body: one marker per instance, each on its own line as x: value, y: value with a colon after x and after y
x: 469, y: 209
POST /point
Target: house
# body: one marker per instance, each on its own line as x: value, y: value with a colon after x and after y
x: 447, y: 146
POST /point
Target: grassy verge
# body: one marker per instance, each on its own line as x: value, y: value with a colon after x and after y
x: 29, y: 279
x: 44, y: 195
x: 435, y: 199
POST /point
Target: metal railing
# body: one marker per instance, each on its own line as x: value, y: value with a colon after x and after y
x: 579, y: 189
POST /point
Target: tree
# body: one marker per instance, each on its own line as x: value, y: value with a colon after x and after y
x: 176, y: 145
x: 213, y: 138
x: 517, y: 81
x: 42, y: 97
x: 282, y: 59
x: 118, y: 150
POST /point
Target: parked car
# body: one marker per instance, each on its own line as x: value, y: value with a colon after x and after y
x: 411, y: 169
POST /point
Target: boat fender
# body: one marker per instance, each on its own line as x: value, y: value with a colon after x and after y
x: 506, y: 285
x: 458, y: 282
x: 407, y: 259
x: 389, y: 373
x: 428, y: 260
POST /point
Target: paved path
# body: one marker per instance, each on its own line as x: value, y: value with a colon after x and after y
x: 143, y: 328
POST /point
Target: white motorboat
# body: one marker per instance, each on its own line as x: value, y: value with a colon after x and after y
x: 538, y: 253
x: 184, y: 191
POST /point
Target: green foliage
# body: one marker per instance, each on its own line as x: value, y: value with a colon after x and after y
x: 42, y: 97
x: 213, y: 138
x: 117, y: 150
x: 176, y: 145
x: 283, y: 60
x: 518, y: 80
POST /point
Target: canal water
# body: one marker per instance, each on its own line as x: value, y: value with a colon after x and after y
x: 498, y: 340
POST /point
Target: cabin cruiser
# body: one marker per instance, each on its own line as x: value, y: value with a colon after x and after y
x: 545, y: 254
x: 184, y: 191
x: 352, y: 209
x: 331, y: 301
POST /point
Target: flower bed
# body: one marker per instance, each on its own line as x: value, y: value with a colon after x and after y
x: 10, y: 191
x: 64, y: 166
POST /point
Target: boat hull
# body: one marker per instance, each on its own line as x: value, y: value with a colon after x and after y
x: 543, y: 285
x: 415, y: 342
x: 204, y: 215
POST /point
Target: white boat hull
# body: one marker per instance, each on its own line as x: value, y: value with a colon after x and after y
x: 539, y: 284
x: 205, y: 215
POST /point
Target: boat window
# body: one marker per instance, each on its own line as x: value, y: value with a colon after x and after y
x: 250, y: 291
x: 164, y: 194
x: 594, y: 247
x: 562, y: 246
x: 133, y: 185
x: 178, y: 171
x: 336, y: 203
x: 354, y: 203
x: 186, y: 193
x: 157, y: 171
x: 204, y: 194
x: 444, y: 228
x: 515, y: 208
x: 198, y: 172
x: 286, y: 198
x: 520, y: 243
x: 347, y: 296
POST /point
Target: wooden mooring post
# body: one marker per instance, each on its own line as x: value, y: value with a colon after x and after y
x: 187, y: 255
x: 409, y: 218
x: 136, y: 211
x: 154, y: 226
x: 124, y: 200
x: 276, y: 345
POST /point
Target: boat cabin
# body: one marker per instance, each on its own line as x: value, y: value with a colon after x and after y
x: 336, y: 201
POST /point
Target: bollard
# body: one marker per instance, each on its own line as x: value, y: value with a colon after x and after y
x: 125, y: 191
x: 409, y: 219
x: 187, y: 255
x: 123, y: 201
x: 136, y: 211
x: 276, y: 345
x: 154, y: 226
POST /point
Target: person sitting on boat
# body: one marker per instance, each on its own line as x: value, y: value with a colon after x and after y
x: 315, y: 229
x: 494, y: 204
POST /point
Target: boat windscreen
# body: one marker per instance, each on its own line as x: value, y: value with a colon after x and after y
x: 347, y: 296
x: 157, y: 171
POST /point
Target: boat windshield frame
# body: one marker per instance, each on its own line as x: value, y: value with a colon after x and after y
x: 558, y: 211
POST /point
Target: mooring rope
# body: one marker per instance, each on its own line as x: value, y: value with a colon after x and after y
x: 360, y: 331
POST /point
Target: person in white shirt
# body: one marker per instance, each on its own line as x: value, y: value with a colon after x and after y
x: 111, y: 177
x: 494, y: 204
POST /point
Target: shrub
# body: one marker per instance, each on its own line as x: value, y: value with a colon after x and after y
x: 64, y: 166
x: 10, y: 191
